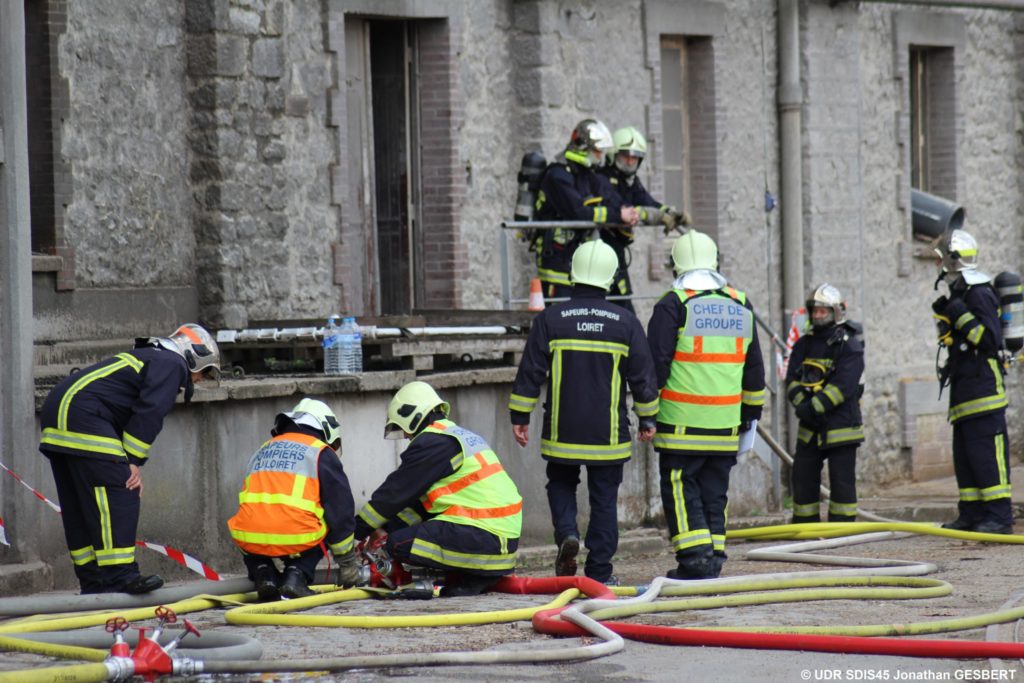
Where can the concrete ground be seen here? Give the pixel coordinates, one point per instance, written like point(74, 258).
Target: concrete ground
point(984, 577)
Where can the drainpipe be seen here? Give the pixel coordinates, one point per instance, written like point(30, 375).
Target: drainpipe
point(791, 204)
point(17, 426)
point(790, 99)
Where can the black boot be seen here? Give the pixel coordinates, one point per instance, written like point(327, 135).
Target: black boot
point(266, 579)
point(993, 527)
point(141, 584)
point(694, 567)
point(295, 584)
point(463, 585)
point(565, 562)
point(959, 524)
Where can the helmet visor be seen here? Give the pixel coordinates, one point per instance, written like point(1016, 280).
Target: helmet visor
point(393, 432)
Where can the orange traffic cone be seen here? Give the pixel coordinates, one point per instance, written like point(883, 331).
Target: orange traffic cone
point(536, 296)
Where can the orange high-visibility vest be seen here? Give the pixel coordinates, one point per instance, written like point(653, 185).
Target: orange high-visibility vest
point(279, 511)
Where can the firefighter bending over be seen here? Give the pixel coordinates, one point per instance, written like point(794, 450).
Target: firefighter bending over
point(99, 424)
point(587, 350)
point(296, 500)
point(450, 506)
point(823, 383)
point(709, 367)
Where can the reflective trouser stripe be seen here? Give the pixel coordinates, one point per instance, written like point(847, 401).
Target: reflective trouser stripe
point(845, 509)
point(80, 556)
point(970, 495)
point(807, 509)
point(452, 558)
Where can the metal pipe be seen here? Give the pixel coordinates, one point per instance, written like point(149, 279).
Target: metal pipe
point(573, 225)
point(1009, 5)
point(266, 335)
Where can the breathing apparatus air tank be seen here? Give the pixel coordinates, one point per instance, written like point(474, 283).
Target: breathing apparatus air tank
point(1011, 301)
point(531, 170)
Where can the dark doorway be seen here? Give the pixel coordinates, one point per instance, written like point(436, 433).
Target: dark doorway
point(394, 158)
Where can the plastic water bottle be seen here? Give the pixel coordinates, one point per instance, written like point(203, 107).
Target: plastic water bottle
point(351, 343)
point(332, 347)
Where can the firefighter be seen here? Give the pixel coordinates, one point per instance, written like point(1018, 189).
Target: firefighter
point(279, 518)
point(823, 382)
point(587, 350)
point(629, 149)
point(571, 190)
point(450, 506)
point(969, 326)
point(708, 363)
point(98, 426)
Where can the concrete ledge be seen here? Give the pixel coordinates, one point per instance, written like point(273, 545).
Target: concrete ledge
point(25, 578)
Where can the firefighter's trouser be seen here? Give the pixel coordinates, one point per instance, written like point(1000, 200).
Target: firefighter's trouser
point(100, 517)
point(982, 467)
point(694, 494)
point(602, 539)
point(305, 562)
point(452, 547)
point(842, 479)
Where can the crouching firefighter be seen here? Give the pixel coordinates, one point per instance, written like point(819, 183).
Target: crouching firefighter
point(295, 501)
point(823, 383)
point(969, 326)
point(450, 506)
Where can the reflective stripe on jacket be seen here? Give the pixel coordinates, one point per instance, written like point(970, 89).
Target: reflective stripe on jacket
point(588, 351)
point(280, 511)
point(114, 409)
point(976, 377)
point(704, 387)
point(479, 493)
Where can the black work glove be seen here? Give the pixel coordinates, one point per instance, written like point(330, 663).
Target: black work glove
point(939, 305)
point(745, 425)
point(954, 309)
point(348, 568)
point(806, 413)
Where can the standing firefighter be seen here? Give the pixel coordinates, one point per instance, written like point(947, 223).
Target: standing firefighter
point(571, 190)
point(296, 500)
point(709, 368)
point(823, 382)
point(587, 350)
point(450, 505)
point(629, 149)
point(968, 324)
point(99, 424)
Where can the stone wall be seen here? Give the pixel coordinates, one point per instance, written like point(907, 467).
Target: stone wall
point(212, 156)
point(123, 138)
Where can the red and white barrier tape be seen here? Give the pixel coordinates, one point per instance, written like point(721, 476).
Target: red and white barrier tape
point(181, 558)
point(38, 495)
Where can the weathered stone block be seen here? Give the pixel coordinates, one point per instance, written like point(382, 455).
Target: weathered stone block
point(268, 58)
point(232, 54)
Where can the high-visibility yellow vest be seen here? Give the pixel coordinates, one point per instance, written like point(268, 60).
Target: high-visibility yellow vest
point(279, 510)
point(479, 493)
point(705, 382)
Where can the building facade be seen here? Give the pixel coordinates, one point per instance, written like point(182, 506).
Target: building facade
point(243, 161)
